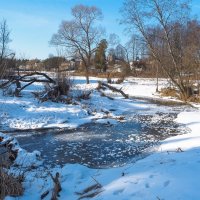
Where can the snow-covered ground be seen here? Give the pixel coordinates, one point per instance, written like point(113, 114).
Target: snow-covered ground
point(28, 113)
point(172, 172)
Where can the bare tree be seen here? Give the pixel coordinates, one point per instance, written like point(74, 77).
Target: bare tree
point(80, 35)
point(113, 40)
point(161, 21)
point(135, 47)
point(127, 52)
point(5, 53)
point(120, 52)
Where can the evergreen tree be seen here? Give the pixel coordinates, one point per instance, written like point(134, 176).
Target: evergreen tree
point(100, 56)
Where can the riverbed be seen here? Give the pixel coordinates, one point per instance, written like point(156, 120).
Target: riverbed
point(102, 144)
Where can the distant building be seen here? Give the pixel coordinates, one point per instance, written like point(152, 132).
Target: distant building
point(138, 65)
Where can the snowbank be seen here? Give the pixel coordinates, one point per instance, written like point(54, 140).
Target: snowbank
point(24, 158)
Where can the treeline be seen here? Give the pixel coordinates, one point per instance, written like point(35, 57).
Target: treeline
point(162, 36)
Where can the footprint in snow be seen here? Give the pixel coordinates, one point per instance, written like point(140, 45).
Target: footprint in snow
point(166, 183)
point(117, 192)
point(147, 185)
point(151, 176)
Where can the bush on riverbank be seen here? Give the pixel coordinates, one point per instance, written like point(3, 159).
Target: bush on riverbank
point(10, 185)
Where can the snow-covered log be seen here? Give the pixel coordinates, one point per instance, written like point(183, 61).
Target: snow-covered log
point(114, 89)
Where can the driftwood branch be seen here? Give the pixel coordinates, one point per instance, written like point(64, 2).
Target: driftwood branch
point(44, 194)
point(90, 191)
point(50, 80)
point(36, 80)
point(6, 84)
point(57, 186)
point(27, 78)
point(114, 89)
point(105, 95)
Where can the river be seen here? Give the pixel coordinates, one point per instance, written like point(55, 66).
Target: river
point(104, 145)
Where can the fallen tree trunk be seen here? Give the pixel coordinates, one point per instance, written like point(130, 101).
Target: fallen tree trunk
point(50, 80)
point(28, 79)
point(105, 95)
point(114, 89)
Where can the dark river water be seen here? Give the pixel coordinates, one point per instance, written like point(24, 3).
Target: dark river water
point(103, 145)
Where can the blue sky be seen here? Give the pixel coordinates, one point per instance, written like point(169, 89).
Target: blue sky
point(33, 22)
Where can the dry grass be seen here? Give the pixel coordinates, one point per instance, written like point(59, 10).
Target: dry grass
point(10, 185)
point(169, 92)
point(172, 92)
point(194, 98)
point(101, 74)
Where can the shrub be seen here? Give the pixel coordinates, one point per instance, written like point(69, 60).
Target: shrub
point(56, 92)
point(169, 92)
point(10, 185)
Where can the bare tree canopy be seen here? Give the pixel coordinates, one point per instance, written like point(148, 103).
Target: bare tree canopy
point(80, 35)
point(136, 47)
point(162, 23)
point(5, 53)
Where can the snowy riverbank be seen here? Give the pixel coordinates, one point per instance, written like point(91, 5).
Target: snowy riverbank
point(27, 113)
point(172, 172)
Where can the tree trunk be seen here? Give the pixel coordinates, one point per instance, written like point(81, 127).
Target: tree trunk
point(157, 78)
point(87, 75)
